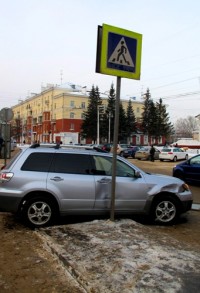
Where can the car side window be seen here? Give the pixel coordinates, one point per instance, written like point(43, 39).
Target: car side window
point(123, 170)
point(71, 164)
point(38, 162)
point(103, 166)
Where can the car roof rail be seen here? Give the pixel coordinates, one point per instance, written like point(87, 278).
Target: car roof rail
point(70, 146)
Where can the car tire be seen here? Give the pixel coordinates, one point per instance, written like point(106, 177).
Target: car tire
point(186, 157)
point(175, 159)
point(121, 154)
point(39, 212)
point(161, 160)
point(165, 210)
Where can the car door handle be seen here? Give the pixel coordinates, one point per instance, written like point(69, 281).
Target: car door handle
point(104, 180)
point(57, 179)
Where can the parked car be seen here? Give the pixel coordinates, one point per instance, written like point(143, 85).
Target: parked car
point(107, 147)
point(120, 149)
point(188, 170)
point(130, 151)
point(173, 154)
point(42, 183)
point(144, 153)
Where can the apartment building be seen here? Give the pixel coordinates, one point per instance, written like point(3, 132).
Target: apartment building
point(56, 114)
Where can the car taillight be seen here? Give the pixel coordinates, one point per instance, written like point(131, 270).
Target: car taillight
point(170, 153)
point(6, 176)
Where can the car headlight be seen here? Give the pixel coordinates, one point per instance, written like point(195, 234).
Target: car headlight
point(185, 187)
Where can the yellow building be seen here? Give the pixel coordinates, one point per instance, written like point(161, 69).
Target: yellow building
point(56, 114)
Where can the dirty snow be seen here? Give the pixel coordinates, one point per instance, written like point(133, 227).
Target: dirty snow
point(123, 256)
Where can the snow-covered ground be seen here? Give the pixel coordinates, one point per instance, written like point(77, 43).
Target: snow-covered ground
point(123, 256)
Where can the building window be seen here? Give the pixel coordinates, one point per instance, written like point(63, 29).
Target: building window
point(71, 115)
point(145, 139)
point(160, 139)
point(82, 115)
point(137, 139)
point(72, 126)
point(83, 105)
point(138, 110)
point(72, 104)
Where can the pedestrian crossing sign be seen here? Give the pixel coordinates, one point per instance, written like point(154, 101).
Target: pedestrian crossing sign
point(118, 52)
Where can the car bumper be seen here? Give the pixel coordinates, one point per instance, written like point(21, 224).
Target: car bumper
point(186, 206)
point(9, 203)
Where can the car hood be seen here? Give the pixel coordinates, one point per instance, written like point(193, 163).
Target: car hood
point(181, 164)
point(162, 183)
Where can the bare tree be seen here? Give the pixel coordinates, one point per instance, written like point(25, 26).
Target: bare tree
point(185, 126)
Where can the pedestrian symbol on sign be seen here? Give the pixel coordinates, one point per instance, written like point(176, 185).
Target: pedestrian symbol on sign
point(121, 55)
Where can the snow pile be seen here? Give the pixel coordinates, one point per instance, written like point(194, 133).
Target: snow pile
point(187, 142)
point(123, 256)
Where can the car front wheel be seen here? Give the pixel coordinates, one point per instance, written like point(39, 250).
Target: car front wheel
point(165, 210)
point(39, 212)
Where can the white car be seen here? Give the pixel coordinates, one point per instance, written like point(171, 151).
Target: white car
point(173, 154)
point(13, 144)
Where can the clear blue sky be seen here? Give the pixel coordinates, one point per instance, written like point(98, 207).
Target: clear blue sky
point(41, 38)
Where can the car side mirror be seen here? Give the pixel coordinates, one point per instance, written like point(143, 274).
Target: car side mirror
point(137, 174)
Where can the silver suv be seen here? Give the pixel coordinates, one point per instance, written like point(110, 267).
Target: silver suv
point(41, 183)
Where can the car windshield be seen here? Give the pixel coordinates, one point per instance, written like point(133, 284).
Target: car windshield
point(124, 145)
point(195, 161)
point(144, 149)
point(166, 150)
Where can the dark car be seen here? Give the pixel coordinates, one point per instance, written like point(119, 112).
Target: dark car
point(130, 152)
point(189, 170)
point(107, 147)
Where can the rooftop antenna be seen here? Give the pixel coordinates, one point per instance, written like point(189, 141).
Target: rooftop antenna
point(61, 76)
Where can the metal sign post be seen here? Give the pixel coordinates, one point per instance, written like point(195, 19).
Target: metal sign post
point(6, 115)
point(115, 142)
point(119, 54)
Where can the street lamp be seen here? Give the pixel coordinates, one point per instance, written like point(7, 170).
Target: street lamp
point(109, 122)
point(99, 107)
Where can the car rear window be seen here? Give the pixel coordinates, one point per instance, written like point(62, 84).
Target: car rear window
point(39, 162)
point(166, 150)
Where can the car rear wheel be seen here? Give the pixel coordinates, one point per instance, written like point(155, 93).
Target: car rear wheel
point(165, 210)
point(39, 212)
point(186, 157)
point(175, 159)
